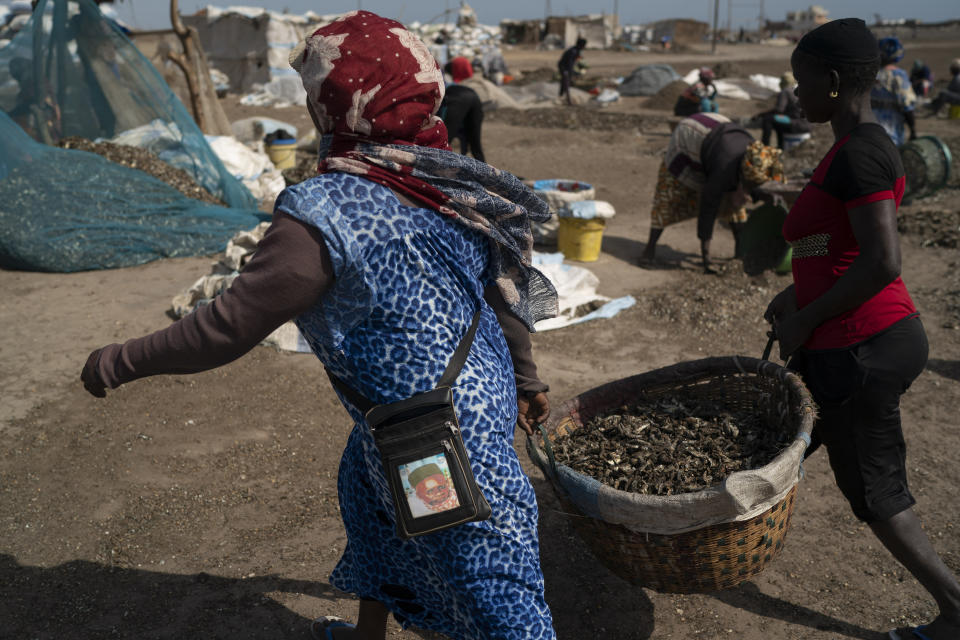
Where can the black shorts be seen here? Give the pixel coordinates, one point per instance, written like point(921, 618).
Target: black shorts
point(858, 391)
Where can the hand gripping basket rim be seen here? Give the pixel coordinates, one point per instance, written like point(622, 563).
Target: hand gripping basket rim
point(741, 496)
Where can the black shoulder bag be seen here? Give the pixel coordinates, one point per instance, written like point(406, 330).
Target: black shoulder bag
point(424, 459)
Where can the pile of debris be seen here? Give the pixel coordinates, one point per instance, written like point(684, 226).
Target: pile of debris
point(143, 160)
point(465, 38)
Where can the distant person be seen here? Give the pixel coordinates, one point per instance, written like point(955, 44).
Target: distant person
point(951, 95)
point(462, 114)
point(494, 66)
point(892, 98)
point(711, 167)
point(786, 116)
point(847, 324)
point(459, 69)
point(567, 66)
point(700, 97)
point(921, 79)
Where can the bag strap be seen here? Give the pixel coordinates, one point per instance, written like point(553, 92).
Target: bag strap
point(459, 356)
point(449, 376)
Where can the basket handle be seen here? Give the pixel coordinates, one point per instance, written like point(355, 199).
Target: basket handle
point(767, 349)
point(548, 448)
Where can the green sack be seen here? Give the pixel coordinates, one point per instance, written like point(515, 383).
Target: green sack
point(761, 244)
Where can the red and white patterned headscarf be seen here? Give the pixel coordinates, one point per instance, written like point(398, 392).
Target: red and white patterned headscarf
point(370, 77)
point(376, 88)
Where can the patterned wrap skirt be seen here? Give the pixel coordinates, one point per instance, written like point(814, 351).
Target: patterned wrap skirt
point(681, 178)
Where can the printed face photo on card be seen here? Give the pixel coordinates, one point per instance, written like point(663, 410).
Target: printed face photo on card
point(427, 486)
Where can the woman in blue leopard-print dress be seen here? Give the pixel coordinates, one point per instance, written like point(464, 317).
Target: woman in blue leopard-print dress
point(382, 260)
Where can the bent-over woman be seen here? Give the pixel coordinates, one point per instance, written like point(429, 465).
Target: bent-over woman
point(710, 168)
point(382, 260)
point(847, 323)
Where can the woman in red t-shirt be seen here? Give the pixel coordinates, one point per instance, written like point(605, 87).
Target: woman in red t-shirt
point(847, 323)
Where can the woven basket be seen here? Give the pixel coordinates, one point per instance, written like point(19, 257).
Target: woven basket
point(926, 163)
point(719, 555)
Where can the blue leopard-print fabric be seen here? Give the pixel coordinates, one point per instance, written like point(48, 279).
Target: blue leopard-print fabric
point(407, 282)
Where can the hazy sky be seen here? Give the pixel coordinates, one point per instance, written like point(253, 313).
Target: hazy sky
point(154, 14)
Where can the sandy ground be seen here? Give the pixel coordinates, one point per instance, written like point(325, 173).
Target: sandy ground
point(205, 506)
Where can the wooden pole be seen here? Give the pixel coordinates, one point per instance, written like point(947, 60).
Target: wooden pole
point(187, 40)
point(716, 14)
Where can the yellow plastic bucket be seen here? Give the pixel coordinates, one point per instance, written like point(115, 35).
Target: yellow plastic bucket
point(283, 153)
point(954, 113)
point(579, 238)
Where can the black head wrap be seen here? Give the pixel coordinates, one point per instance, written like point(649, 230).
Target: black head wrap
point(844, 41)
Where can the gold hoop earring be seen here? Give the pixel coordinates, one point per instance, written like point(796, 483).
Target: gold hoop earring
point(834, 94)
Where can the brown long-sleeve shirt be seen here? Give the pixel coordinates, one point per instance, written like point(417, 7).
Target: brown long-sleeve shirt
point(287, 275)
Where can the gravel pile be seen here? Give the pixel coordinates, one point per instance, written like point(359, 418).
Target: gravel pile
point(543, 74)
point(931, 228)
point(143, 160)
point(569, 118)
point(727, 69)
point(724, 310)
point(666, 98)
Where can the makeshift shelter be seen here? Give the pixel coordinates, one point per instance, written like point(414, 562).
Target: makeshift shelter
point(70, 72)
point(521, 31)
point(599, 30)
point(681, 31)
point(252, 46)
point(807, 19)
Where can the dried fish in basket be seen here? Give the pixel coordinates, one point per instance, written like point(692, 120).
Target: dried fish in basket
point(696, 541)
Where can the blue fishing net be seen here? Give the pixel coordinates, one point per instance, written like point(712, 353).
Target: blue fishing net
point(71, 72)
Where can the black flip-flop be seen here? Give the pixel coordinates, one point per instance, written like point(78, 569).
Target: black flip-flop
point(322, 628)
point(909, 633)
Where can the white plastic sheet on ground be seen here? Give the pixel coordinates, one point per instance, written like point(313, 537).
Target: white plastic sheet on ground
point(607, 96)
point(746, 86)
point(222, 274)
point(755, 87)
point(576, 287)
point(536, 94)
point(557, 193)
point(161, 138)
point(253, 169)
point(587, 210)
point(770, 83)
point(282, 91)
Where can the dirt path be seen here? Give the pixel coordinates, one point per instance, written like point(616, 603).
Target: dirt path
point(205, 506)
